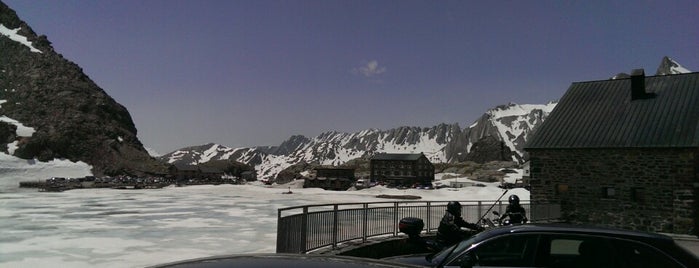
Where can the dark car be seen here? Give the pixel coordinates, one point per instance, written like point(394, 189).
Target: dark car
point(559, 245)
point(282, 260)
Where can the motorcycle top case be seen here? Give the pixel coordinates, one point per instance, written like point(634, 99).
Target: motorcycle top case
point(411, 225)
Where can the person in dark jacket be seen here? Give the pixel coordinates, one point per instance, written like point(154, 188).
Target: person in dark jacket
point(514, 211)
point(449, 230)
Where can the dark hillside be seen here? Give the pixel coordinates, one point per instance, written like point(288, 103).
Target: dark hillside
point(73, 117)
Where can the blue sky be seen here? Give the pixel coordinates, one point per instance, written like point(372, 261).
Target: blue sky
point(247, 73)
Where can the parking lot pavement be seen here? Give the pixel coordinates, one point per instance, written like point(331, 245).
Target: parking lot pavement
point(692, 244)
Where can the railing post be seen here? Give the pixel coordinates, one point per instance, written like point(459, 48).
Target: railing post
point(280, 231)
point(304, 227)
point(335, 227)
point(395, 218)
point(480, 210)
point(365, 223)
point(429, 218)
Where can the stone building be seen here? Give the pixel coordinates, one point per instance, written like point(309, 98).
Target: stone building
point(250, 175)
point(339, 179)
point(184, 172)
point(401, 169)
point(623, 153)
point(210, 172)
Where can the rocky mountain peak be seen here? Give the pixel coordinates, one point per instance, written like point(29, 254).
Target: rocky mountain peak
point(669, 66)
point(73, 118)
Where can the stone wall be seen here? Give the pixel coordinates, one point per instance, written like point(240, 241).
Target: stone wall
point(639, 189)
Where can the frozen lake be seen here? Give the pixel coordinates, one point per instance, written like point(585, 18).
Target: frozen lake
point(136, 228)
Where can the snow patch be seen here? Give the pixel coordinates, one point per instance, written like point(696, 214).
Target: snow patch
point(679, 70)
point(152, 152)
point(14, 169)
point(15, 36)
point(22, 130)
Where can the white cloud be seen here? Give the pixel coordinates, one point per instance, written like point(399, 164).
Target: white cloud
point(370, 69)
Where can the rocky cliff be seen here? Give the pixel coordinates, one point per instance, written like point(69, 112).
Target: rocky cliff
point(71, 117)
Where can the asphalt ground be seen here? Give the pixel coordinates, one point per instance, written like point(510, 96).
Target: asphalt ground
point(692, 244)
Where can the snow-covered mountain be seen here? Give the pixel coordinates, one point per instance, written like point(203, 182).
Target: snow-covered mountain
point(443, 143)
point(669, 66)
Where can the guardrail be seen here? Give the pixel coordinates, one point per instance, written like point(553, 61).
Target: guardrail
point(302, 229)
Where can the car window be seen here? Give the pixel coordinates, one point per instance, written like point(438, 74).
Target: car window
point(639, 255)
point(451, 251)
point(508, 251)
point(577, 251)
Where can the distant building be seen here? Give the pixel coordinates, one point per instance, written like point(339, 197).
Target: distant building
point(248, 175)
point(623, 153)
point(331, 179)
point(401, 169)
point(210, 172)
point(184, 172)
point(187, 172)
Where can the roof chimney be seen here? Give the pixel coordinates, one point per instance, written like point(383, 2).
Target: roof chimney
point(638, 85)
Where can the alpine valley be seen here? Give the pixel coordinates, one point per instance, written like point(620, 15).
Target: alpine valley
point(49, 109)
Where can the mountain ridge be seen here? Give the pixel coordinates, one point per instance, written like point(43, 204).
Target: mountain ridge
point(442, 143)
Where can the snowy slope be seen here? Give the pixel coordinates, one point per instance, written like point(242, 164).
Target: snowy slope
point(511, 123)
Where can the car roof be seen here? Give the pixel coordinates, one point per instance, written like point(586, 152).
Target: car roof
point(280, 260)
point(579, 229)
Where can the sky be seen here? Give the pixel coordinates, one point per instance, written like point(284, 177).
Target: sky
point(251, 73)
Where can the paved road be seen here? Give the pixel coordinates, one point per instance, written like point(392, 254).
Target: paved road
point(692, 244)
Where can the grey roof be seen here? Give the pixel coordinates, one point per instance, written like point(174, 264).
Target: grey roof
point(601, 114)
point(403, 157)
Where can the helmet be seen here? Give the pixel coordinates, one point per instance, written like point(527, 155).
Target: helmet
point(454, 207)
point(514, 200)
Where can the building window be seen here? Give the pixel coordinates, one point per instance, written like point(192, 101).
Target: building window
point(608, 192)
point(561, 188)
point(638, 195)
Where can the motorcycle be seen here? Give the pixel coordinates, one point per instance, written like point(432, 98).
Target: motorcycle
point(491, 223)
point(508, 221)
point(413, 226)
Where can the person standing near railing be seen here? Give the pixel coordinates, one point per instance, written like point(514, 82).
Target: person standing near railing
point(449, 230)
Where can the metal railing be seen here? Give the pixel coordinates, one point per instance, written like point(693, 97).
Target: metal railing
point(302, 229)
